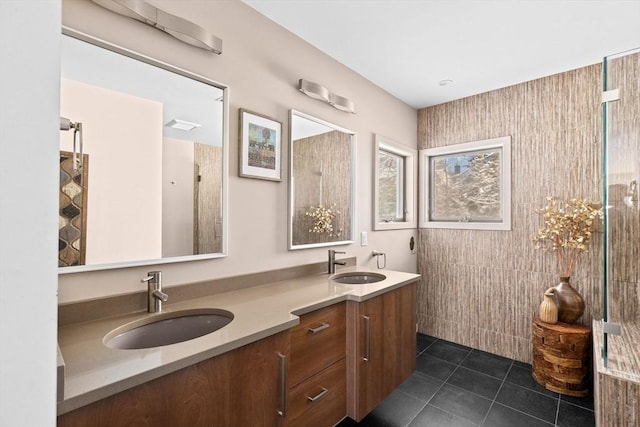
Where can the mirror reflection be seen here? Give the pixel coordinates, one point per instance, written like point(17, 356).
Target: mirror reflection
point(322, 183)
point(148, 181)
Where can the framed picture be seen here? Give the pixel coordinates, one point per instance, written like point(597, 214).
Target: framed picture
point(467, 185)
point(260, 146)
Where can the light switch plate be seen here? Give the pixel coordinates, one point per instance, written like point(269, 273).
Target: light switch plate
point(364, 238)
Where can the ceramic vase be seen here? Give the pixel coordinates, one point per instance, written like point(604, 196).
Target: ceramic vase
point(569, 301)
point(548, 308)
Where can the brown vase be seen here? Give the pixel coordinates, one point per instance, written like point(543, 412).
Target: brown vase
point(570, 303)
point(548, 308)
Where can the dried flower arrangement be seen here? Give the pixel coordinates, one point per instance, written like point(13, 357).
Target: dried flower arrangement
point(323, 219)
point(567, 230)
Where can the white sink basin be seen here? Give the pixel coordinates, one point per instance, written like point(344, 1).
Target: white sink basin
point(358, 277)
point(167, 328)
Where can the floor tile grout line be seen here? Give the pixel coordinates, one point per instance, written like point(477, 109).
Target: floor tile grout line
point(440, 388)
point(421, 409)
point(503, 380)
point(512, 364)
point(484, 420)
point(436, 392)
point(575, 404)
point(508, 406)
point(524, 413)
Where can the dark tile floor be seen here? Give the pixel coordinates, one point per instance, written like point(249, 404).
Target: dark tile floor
point(459, 386)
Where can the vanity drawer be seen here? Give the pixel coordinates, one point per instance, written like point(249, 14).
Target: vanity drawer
point(317, 342)
point(321, 400)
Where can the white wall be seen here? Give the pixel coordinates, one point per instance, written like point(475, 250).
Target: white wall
point(177, 196)
point(122, 136)
point(29, 88)
point(261, 63)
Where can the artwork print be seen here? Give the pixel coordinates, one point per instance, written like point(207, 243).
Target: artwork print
point(262, 147)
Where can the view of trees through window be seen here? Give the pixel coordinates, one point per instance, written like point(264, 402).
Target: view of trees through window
point(466, 186)
point(390, 186)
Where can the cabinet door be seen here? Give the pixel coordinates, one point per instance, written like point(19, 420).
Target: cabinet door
point(194, 396)
point(364, 379)
point(399, 337)
point(258, 388)
point(239, 388)
point(381, 347)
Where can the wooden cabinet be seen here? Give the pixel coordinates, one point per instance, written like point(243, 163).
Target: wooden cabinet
point(381, 348)
point(340, 360)
point(239, 388)
point(317, 369)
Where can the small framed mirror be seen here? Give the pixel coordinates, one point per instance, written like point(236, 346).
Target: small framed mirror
point(394, 185)
point(321, 183)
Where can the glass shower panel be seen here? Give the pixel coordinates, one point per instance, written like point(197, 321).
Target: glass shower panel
point(621, 162)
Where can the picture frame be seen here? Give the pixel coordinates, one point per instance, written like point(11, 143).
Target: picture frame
point(260, 146)
point(467, 186)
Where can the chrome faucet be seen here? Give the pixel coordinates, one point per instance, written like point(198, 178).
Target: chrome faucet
point(155, 295)
point(333, 262)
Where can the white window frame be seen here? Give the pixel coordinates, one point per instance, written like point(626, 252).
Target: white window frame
point(409, 188)
point(425, 157)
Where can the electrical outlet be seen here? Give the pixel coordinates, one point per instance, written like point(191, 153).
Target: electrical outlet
point(364, 238)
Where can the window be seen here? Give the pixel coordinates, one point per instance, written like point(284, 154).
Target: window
point(394, 192)
point(391, 186)
point(467, 185)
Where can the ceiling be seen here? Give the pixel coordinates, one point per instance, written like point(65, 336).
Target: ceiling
point(409, 47)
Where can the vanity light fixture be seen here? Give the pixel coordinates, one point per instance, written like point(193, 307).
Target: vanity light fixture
point(179, 28)
point(316, 91)
point(182, 125)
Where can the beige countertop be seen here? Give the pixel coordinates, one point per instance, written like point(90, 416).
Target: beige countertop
point(94, 371)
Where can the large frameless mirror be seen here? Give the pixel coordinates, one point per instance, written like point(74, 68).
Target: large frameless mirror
point(394, 185)
point(143, 160)
point(322, 183)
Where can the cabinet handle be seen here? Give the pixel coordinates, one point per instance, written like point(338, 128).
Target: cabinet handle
point(283, 385)
point(319, 328)
point(318, 396)
point(367, 338)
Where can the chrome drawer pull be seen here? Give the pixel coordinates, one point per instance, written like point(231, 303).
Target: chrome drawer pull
point(319, 328)
point(367, 338)
point(283, 385)
point(318, 396)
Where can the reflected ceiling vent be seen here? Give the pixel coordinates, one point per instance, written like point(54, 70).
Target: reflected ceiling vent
point(316, 91)
point(182, 125)
point(179, 28)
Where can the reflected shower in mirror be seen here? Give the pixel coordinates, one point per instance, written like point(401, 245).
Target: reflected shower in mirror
point(151, 185)
point(321, 205)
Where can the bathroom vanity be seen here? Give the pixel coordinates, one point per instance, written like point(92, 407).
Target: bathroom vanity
point(302, 351)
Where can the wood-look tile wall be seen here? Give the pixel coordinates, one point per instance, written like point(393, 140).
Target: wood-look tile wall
point(483, 288)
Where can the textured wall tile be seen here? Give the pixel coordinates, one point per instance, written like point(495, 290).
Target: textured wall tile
point(485, 287)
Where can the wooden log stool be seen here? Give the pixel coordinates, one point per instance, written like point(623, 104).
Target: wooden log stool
point(561, 357)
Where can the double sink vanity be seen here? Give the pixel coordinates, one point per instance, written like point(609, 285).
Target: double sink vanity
point(307, 350)
point(291, 347)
